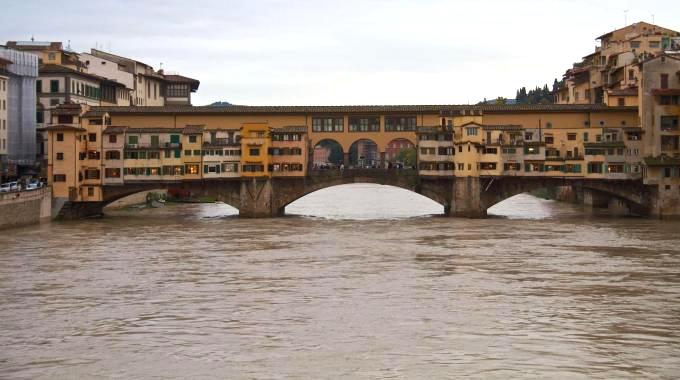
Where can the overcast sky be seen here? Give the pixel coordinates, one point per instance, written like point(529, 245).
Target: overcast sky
point(294, 52)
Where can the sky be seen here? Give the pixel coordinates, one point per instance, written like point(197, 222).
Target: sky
point(304, 52)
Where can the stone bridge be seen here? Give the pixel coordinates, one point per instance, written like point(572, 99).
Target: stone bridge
point(460, 196)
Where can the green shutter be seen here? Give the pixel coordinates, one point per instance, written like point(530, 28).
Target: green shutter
point(174, 139)
point(205, 168)
point(178, 153)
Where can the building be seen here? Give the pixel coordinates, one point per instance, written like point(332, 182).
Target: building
point(4, 81)
point(18, 73)
point(610, 74)
point(660, 130)
point(92, 147)
point(149, 87)
point(97, 78)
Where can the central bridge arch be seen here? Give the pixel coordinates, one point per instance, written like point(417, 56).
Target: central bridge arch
point(288, 191)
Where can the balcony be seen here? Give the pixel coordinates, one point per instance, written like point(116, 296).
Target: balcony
point(151, 146)
point(221, 142)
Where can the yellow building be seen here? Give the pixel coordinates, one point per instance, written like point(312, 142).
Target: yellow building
point(610, 74)
point(255, 141)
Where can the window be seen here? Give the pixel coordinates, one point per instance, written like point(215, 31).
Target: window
point(90, 191)
point(187, 152)
point(54, 85)
point(59, 178)
point(192, 139)
point(133, 140)
point(595, 167)
point(654, 44)
point(631, 74)
point(669, 123)
point(113, 139)
point(511, 166)
point(92, 137)
point(549, 139)
point(60, 137)
point(364, 124)
point(400, 123)
point(327, 124)
point(191, 168)
point(571, 136)
point(60, 156)
point(131, 155)
point(634, 44)
point(253, 168)
point(471, 131)
point(664, 80)
point(254, 151)
point(177, 90)
point(532, 150)
point(38, 86)
point(54, 102)
point(39, 117)
point(621, 102)
point(585, 136)
point(93, 155)
point(528, 136)
point(92, 174)
point(112, 155)
point(197, 152)
point(112, 172)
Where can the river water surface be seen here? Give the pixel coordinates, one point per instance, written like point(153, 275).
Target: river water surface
point(363, 283)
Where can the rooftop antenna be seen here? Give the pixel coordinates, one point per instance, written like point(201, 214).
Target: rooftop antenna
point(652, 18)
point(625, 17)
point(32, 39)
point(68, 45)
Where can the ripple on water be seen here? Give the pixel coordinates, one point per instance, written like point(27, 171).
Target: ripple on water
point(361, 282)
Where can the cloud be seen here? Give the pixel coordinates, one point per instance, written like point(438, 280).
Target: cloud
point(338, 52)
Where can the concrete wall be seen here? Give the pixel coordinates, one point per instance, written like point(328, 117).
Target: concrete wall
point(25, 207)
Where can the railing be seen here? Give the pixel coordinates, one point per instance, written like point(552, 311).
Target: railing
point(166, 145)
point(222, 142)
point(372, 173)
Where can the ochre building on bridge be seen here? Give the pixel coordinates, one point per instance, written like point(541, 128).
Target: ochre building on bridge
point(101, 153)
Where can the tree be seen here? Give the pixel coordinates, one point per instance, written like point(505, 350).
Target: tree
point(407, 156)
point(501, 100)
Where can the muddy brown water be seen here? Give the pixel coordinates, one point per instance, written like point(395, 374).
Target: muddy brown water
point(367, 285)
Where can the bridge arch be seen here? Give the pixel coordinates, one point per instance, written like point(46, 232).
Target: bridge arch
point(598, 193)
point(289, 192)
point(364, 153)
point(395, 147)
point(327, 151)
point(227, 191)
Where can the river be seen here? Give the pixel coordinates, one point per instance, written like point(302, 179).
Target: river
point(363, 283)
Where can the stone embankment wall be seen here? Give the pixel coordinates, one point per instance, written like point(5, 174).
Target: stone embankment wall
point(25, 207)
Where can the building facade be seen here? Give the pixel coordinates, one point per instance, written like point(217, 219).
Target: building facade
point(18, 112)
point(610, 74)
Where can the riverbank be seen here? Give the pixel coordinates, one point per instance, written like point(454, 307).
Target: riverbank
point(21, 208)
